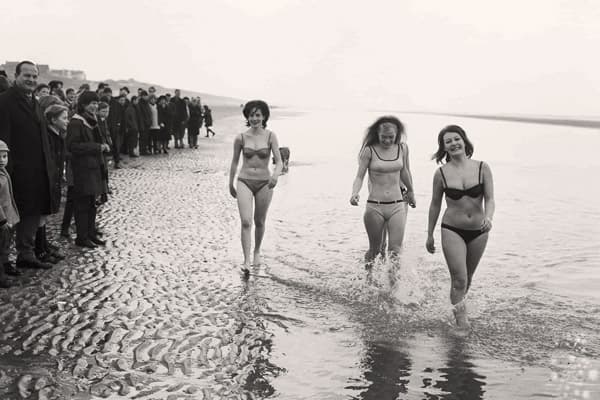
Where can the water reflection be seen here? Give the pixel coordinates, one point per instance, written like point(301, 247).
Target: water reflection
point(387, 371)
point(458, 379)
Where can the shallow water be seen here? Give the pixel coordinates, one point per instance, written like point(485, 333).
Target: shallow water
point(340, 332)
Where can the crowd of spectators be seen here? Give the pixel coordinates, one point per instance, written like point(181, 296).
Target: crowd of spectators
point(52, 139)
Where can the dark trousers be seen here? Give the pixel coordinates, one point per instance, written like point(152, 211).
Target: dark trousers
point(144, 140)
point(192, 139)
point(117, 143)
point(132, 141)
point(85, 217)
point(6, 239)
point(180, 130)
point(25, 238)
point(69, 208)
point(154, 142)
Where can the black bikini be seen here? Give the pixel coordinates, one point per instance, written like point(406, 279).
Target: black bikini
point(457, 194)
point(255, 184)
point(467, 235)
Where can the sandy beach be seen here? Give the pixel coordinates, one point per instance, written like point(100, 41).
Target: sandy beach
point(160, 311)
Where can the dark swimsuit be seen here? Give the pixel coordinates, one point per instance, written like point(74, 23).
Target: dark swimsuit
point(255, 184)
point(467, 235)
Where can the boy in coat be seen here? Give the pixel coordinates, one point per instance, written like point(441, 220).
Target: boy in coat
point(9, 217)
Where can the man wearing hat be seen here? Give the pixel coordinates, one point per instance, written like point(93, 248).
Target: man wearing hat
point(23, 129)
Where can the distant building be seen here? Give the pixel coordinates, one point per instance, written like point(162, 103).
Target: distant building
point(67, 73)
point(44, 69)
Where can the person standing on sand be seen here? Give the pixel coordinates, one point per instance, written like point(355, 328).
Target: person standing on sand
point(164, 122)
point(131, 127)
point(386, 159)
point(145, 121)
point(255, 182)
point(469, 190)
point(208, 120)
point(179, 119)
point(83, 143)
point(57, 120)
point(194, 123)
point(9, 217)
point(23, 129)
point(116, 127)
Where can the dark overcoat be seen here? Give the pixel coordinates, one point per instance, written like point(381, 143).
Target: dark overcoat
point(30, 165)
point(86, 157)
point(57, 151)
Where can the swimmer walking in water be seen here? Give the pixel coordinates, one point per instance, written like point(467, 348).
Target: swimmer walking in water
point(255, 182)
point(385, 157)
point(469, 190)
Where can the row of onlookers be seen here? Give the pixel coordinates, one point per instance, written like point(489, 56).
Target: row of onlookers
point(49, 138)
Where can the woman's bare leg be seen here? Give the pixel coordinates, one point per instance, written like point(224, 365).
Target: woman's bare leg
point(455, 253)
point(245, 199)
point(262, 200)
point(374, 223)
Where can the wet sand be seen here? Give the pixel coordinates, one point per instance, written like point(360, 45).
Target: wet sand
point(159, 312)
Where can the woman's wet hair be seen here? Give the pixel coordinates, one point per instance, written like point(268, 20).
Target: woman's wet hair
point(440, 155)
point(372, 135)
point(253, 105)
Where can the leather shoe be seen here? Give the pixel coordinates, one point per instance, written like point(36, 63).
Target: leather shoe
point(33, 263)
point(85, 243)
point(47, 258)
point(10, 269)
point(96, 240)
point(56, 254)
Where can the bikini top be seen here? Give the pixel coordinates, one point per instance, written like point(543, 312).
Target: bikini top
point(457, 194)
point(378, 164)
point(263, 153)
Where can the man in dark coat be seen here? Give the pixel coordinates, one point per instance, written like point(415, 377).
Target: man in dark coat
point(179, 119)
point(116, 127)
point(131, 126)
point(23, 128)
point(145, 121)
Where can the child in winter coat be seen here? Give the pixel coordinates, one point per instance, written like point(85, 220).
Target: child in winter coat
point(9, 217)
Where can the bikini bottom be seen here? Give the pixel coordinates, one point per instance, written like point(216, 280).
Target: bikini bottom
point(254, 184)
point(386, 209)
point(468, 235)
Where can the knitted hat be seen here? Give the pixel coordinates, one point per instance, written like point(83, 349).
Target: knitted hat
point(3, 146)
point(86, 98)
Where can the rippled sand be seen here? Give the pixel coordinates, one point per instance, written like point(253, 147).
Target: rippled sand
point(158, 313)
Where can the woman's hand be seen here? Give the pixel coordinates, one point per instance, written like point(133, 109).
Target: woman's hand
point(232, 191)
point(486, 225)
point(429, 244)
point(354, 199)
point(272, 182)
point(409, 197)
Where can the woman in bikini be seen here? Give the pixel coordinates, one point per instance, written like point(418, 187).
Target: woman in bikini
point(469, 190)
point(386, 158)
point(255, 182)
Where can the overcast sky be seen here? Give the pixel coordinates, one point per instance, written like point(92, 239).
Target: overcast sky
point(510, 56)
